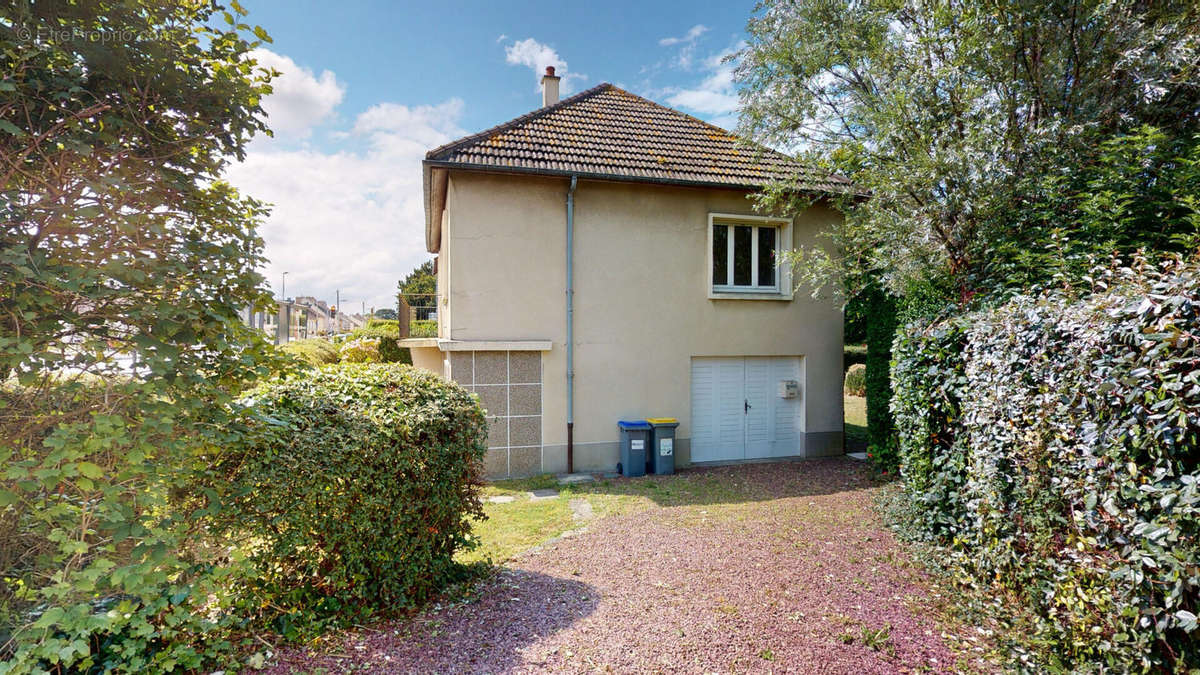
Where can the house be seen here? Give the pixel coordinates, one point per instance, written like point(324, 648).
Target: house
point(319, 319)
point(598, 259)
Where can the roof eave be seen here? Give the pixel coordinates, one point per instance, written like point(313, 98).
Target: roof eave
point(620, 178)
point(434, 182)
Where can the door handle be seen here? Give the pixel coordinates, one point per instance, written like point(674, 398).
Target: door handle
point(746, 402)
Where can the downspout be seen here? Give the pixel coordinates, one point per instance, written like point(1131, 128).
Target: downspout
point(571, 327)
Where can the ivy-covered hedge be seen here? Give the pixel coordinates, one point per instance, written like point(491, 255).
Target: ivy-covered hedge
point(353, 490)
point(1052, 446)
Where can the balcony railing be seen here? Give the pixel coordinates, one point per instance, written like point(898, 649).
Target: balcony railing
point(418, 315)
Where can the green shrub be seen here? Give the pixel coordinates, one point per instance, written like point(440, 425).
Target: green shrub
point(423, 328)
point(1052, 446)
point(856, 380)
point(313, 351)
point(354, 490)
point(852, 354)
point(103, 567)
point(387, 333)
point(360, 350)
point(881, 331)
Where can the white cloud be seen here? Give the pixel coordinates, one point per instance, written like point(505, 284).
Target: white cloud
point(350, 219)
point(300, 100)
point(537, 56)
point(687, 50)
point(715, 97)
point(693, 33)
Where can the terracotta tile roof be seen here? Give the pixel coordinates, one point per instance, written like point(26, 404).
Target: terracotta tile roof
point(606, 132)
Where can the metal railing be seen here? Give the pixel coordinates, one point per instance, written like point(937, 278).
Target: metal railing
point(417, 314)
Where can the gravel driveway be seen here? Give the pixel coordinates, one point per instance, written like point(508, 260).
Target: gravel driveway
point(789, 571)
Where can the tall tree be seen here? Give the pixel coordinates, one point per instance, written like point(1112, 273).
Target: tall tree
point(420, 286)
point(124, 262)
point(946, 112)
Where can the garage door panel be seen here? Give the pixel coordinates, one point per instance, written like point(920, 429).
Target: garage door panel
point(724, 428)
point(786, 412)
point(704, 410)
point(758, 417)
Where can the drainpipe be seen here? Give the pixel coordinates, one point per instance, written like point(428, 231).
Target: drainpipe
point(571, 328)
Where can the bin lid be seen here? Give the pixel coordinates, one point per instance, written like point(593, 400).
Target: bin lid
point(662, 420)
point(633, 424)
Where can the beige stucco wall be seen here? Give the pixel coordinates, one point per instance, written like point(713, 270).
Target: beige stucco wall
point(642, 309)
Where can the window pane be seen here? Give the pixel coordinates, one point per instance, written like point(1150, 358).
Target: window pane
point(766, 256)
point(720, 260)
point(741, 255)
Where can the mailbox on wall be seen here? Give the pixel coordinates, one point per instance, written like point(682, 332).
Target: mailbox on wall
point(789, 389)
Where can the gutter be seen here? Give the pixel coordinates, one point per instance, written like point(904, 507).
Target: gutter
point(821, 190)
point(571, 326)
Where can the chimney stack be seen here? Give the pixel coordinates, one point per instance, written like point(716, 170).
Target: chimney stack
point(550, 87)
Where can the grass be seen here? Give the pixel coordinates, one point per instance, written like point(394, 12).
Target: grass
point(514, 527)
point(856, 423)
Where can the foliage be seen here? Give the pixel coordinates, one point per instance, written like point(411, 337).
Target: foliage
point(386, 313)
point(1052, 446)
point(856, 380)
point(947, 112)
point(313, 351)
point(386, 334)
point(353, 489)
point(1141, 190)
point(384, 324)
point(852, 354)
point(880, 331)
point(423, 328)
point(420, 286)
point(120, 241)
point(360, 350)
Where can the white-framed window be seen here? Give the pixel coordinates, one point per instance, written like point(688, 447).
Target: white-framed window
point(744, 257)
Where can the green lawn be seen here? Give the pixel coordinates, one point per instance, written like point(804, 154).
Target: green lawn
point(513, 527)
point(856, 423)
point(517, 526)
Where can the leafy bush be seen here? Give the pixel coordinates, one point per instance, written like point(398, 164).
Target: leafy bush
point(120, 240)
point(387, 334)
point(852, 354)
point(1052, 445)
point(354, 489)
point(360, 350)
point(856, 380)
point(422, 328)
point(313, 351)
point(881, 330)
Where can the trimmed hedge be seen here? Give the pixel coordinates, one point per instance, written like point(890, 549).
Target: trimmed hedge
point(881, 331)
point(853, 354)
point(856, 380)
point(313, 351)
point(1052, 447)
point(354, 490)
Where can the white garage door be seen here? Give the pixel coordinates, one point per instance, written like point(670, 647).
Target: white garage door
point(737, 412)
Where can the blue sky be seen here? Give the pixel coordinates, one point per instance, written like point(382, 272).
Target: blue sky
point(368, 87)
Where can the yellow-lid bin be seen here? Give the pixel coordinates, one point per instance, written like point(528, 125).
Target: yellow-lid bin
point(662, 420)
